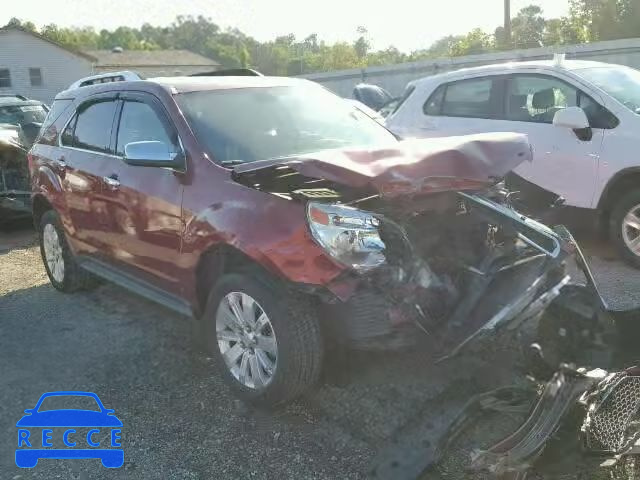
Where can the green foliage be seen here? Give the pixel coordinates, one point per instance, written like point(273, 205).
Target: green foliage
point(588, 20)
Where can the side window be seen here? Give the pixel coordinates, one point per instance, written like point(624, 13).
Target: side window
point(138, 123)
point(433, 106)
point(599, 116)
point(534, 98)
point(468, 98)
point(66, 139)
point(93, 126)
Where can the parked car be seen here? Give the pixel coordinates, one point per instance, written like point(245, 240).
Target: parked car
point(581, 118)
point(373, 96)
point(20, 122)
point(15, 192)
point(286, 221)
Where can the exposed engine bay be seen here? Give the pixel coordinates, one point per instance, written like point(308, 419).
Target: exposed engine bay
point(444, 264)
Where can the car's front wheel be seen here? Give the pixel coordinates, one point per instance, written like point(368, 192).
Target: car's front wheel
point(625, 227)
point(266, 342)
point(63, 271)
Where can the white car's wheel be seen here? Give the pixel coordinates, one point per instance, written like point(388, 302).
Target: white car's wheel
point(625, 227)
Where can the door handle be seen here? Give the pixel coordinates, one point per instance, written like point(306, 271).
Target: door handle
point(61, 163)
point(112, 182)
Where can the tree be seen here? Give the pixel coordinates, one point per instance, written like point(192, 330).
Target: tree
point(362, 44)
point(476, 41)
point(527, 28)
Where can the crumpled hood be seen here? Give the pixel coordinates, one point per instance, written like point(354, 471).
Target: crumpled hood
point(413, 166)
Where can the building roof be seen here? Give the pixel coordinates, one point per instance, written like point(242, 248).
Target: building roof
point(150, 58)
point(85, 55)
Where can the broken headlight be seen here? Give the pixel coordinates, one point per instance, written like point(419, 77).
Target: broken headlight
point(349, 235)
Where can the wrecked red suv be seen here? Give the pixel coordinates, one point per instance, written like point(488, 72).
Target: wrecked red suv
point(286, 221)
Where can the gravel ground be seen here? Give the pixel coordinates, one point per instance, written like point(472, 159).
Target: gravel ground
point(179, 420)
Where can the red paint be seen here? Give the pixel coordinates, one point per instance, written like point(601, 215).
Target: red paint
point(158, 224)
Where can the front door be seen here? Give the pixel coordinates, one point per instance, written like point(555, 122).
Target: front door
point(145, 202)
point(564, 162)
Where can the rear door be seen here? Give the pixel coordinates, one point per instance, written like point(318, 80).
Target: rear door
point(461, 107)
point(145, 202)
point(83, 160)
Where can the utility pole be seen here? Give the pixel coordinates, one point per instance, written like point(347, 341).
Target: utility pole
point(507, 21)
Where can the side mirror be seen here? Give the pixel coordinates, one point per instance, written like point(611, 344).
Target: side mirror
point(571, 117)
point(152, 154)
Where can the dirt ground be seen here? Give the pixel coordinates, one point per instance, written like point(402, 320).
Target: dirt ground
point(179, 419)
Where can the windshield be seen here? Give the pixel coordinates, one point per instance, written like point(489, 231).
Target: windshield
point(22, 114)
point(622, 83)
point(249, 124)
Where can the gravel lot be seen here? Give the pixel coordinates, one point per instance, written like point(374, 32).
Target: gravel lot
point(180, 421)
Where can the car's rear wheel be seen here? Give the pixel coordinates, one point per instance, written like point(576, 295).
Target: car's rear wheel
point(63, 271)
point(625, 227)
point(267, 344)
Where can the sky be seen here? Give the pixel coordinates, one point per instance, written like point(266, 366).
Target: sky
point(406, 24)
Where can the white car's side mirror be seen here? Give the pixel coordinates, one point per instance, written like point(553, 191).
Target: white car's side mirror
point(571, 117)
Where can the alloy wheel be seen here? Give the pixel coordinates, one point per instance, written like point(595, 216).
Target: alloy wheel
point(53, 252)
point(631, 230)
point(246, 340)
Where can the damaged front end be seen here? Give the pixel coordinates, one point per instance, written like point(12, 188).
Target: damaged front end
point(435, 257)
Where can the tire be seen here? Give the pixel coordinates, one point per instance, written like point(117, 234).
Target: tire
point(293, 328)
point(625, 205)
point(71, 277)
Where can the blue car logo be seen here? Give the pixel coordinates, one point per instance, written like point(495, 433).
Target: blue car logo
point(95, 432)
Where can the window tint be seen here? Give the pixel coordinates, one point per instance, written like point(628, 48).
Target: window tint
point(58, 107)
point(66, 139)
point(433, 105)
point(5, 78)
point(468, 98)
point(35, 76)
point(599, 116)
point(537, 99)
point(93, 126)
point(407, 93)
point(140, 123)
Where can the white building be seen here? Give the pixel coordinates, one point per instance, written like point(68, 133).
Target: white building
point(36, 67)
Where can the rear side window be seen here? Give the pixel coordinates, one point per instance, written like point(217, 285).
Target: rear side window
point(468, 98)
point(48, 134)
point(433, 105)
point(93, 126)
point(140, 123)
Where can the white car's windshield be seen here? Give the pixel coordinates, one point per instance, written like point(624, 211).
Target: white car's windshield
point(249, 124)
point(622, 83)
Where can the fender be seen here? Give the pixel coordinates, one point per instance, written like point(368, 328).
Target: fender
point(610, 189)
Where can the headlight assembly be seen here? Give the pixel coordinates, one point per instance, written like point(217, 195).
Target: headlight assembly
point(349, 235)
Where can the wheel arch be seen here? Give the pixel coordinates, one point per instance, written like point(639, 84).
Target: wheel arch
point(619, 185)
point(218, 260)
point(40, 205)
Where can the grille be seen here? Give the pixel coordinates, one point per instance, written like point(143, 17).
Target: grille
point(607, 427)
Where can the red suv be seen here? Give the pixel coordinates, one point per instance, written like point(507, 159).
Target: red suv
point(285, 221)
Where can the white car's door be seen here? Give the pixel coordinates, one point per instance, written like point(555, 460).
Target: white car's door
point(460, 107)
point(565, 161)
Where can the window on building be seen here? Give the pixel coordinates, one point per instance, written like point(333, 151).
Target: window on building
point(5, 78)
point(35, 75)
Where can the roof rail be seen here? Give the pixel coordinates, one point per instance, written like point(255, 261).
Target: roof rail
point(122, 76)
point(232, 72)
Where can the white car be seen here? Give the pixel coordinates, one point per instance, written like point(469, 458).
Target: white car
point(582, 119)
